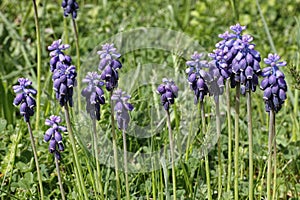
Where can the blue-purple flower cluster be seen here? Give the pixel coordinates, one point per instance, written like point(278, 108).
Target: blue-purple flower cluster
point(93, 94)
point(64, 73)
point(53, 135)
point(109, 65)
point(236, 56)
point(120, 98)
point(70, 8)
point(24, 97)
point(273, 84)
point(168, 91)
point(197, 76)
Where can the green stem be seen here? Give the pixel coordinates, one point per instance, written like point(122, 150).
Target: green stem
point(125, 163)
point(66, 32)
point(250, 138)
point(62, 192)
point(228, 107)
point(78, 63)
point(205, 153)
point(218, 124)
point(266, 27)
point(36, 160)
point(74, 151)
point(98, 171)
point(172, 154)
point(114, 138)
point(275, 160)
point(270, 142)
point(39, 64)
point(234, 8)
point(236, 142)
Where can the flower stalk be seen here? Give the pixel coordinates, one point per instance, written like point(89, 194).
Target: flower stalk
point(62, 192)
point(218, 124)
point(172, 154)
point(236, 142)
point(39, 64)
point(36, 160)
point(228, 107)
point(250, 141)
point(207, 170)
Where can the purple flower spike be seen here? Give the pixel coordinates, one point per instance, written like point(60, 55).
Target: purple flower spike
point(273, 84)
point(70, 8)
point(53, 135)
point(121, 108)
point(93, 94)
point(168, 91)
point(57, 55)
point(109, 65)
point(24, 98)
point(236, 54)
point(197, 76)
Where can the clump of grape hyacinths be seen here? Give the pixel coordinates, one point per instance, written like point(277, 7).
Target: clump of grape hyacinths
point(64, 74)
point(237, 56)
point(168, 91)
point(70, 8)
point(57, 55)
point(93, 94)
point(121, 108)
point(273, 84)
point(53, 135)
point(197, 76)
point(24, 98)
point(109, 65)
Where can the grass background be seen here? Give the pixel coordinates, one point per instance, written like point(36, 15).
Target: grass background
point(98, 21)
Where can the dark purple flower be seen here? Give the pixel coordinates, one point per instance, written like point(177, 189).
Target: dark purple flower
point(64, 80)
point(235, 54)
point(93, 94)
point(121, 108)
point(168, 91)
point(53, 135)
point(64, 73)
point(197, 76)
point(70, 8)
point(24, 98)
point(273, 84)
point(109, 65)
point(57, 55)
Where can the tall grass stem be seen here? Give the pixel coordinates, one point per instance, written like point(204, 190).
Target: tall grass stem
point(98, 171)
point(74, 151)
point(39, 65)
point(36, 160)
point(78, 63)
point(172, 154)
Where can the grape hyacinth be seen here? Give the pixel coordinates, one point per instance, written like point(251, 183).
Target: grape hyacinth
point(237, 55)
point(57, 55)
point(24, 98)
point(197, 76)
point(273, 84)
point(93, 94)
point(70, 8)
point(121, 108)
point(64, 74)
point(53, 135)
point(109, 65)
point(168, 91)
